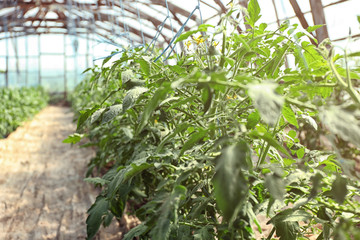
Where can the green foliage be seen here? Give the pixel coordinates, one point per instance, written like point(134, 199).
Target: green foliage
point(19, 105)
point(198, 149)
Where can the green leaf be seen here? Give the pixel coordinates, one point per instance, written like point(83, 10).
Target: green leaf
point(287, 230)
point(313, 28)
point(127, 76)
point(291, 215)
point(266, 101)
point(289, 115)
point(96, 214)
point(339, 189)
point(310, 121)
point(145, 65)
point(125, 174)
point(180, 128)
point(185, 36)
point(135, 232)
point(276, 186)
point(254, 12)
point(300, 153)
point(84, 115)
point(158, 96)
point(358, 18)
point(96, 180)
point(270, 140)
point(253, 119)
point(193, 140)
point(113, 112)
point(74, 138)
point(168, 213)
point(201, 28)
point(206, 97)
point(131, 96)
point(204, 233)
point(96, 115)
point(230, 185)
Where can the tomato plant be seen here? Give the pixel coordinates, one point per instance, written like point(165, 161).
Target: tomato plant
point(200, 148)
point(18, 105)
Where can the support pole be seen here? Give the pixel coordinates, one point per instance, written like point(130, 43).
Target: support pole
point(300, 15)
point(27, 62)
point(319, 18)
point(7, 63)
point(65, 69)
point(87, 50)
point(39, 59)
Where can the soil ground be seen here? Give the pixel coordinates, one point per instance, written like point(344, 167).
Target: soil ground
point(42, 192)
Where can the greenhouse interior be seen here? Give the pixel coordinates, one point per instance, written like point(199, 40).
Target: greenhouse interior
point(192, 119)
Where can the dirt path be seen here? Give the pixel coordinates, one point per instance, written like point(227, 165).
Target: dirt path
point(42, 192)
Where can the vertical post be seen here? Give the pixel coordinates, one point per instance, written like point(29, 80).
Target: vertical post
point(7, 62)
point(75, 60)
point(65, 68)
point(319, 18)
point(39, 59)
point(27, 62)
point(87, 50)
point(16, 50)
point(276, 13)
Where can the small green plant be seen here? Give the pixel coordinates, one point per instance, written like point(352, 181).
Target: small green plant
point(199, 149)
point(19, 105)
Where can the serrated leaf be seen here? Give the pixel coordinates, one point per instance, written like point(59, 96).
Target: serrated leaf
point(84, 115)
point(276, 186)
point(204, 233)
point(289, 115)
point(125, 174)
point(186, 35)
point(110, 114)
point(97, 180)
point(270, 140)
point(145, 65)
point(313, 28)
point(339, 189)
point(127, 76)
point(96, 115)
point(158, 96)
point(290, 215)
point(135, 232)
point(96, 213)
point(230, 185)
point(168, 213)
point(253, 119)
point(254, 12)
point(266, 101)
point(310, 121)
point(194, 139)
point(287, 230)
point(74, 138)
point(342, 123)
point(131, 96)
point(180, 128)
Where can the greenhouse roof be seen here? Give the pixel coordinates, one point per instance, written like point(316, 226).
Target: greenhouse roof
point(138, 21)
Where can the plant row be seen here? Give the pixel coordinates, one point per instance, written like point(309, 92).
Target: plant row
point(200, 148)
point(19, 105)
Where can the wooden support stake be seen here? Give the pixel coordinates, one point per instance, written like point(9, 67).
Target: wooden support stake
point(319, 18)
point(300, 15)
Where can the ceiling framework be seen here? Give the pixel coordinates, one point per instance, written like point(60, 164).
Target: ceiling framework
point(131, 21)
point(127, 21)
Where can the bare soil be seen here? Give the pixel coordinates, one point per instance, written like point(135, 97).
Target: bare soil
point(42, 192)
